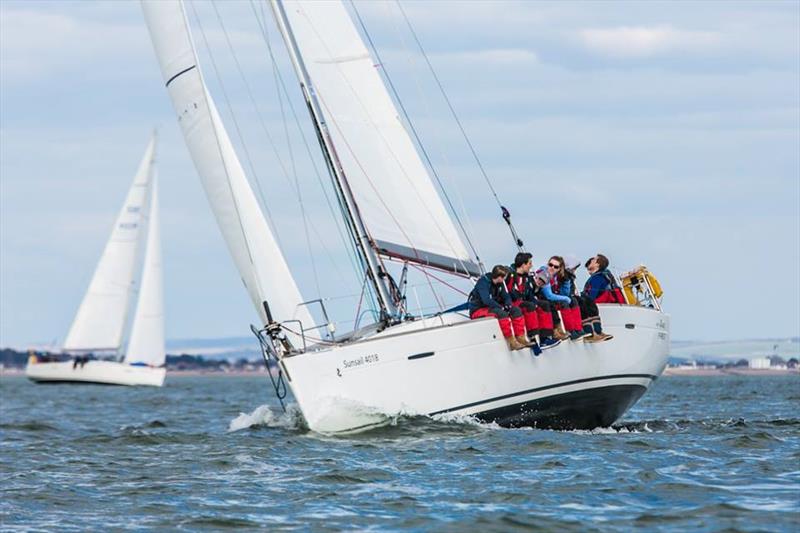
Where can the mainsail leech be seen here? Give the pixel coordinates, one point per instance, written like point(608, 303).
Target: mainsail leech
point(255, 251)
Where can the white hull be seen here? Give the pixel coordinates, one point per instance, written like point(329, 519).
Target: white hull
point(463, 367)
point(101, 372)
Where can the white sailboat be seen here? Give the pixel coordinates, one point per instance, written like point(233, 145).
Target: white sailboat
point(440, 364)
point(101, 320)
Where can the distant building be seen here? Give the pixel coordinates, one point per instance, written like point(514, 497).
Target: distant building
point(760, 363)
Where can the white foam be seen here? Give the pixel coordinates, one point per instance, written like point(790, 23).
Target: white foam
point(265, 415)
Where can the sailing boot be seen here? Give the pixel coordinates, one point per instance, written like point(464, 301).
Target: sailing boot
point(513, 344)
point(523, 340)
point(549, 342)
point(587, 328)
point(533, 340)
point(576, 335)
point(559, 332)
point(598, 332)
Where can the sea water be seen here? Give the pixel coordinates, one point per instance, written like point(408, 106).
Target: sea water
point(214, 452)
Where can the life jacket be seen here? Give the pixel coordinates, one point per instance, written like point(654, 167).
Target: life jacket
point(612, 294)
point(519, 286)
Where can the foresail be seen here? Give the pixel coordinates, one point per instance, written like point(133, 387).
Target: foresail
point(395, 195)
point(250, 241)
point(146, 342)
point(100, 321)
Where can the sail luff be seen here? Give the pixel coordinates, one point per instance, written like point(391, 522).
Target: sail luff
point(364, 244)
point(100, 321)
point(146, 342)
point(391, 185)
point(250, 241)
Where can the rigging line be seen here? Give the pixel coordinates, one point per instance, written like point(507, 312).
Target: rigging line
point(414, 130)
point(236, 124)
point(449, 104)
point(206, 97)
point(374, 188)
point(348, 245)
point(453, 184)
point(443, 282)
point(294, 167)
point(506, 214)
point(386, 144)
point(277, 154)
point(331, 116)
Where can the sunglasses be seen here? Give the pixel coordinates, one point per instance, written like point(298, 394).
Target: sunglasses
point(551, 265)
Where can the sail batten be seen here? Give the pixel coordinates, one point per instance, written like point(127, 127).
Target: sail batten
point(396, 197)
point(255, 251)
point(99, 324)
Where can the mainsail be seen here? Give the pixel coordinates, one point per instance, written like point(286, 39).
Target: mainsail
point(391, 186)
point(255, 251)
point(146, 342)
point(101, 318)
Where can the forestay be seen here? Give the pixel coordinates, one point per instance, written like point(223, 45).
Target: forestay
point(395, 195)
point(146, 343)
point(258, 258)
point(101, 318)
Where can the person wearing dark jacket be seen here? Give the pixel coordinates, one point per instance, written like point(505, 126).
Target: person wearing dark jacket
point(520, 287)
point(601, 287)
point(490, 298)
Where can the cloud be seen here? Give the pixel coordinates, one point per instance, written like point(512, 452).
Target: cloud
point(38, 45)
point(641, 41)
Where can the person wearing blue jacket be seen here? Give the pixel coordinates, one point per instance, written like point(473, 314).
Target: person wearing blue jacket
point(601, 287)
point(489, 297)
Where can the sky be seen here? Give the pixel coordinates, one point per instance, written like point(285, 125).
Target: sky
point(658, 133)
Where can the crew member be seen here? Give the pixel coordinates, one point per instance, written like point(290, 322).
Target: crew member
point(520, 287)
point(544, 310)
point(563, 283)
point(601, 287)
point(490, 298)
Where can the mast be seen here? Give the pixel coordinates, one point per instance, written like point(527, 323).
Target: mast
point(364, 245)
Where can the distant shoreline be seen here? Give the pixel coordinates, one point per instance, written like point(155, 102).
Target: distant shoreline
point(733, 371)
point(668, 372)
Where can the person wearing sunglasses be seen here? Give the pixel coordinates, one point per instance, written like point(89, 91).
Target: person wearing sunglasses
point(562, 283)
point(547, 299)
point(489, 297)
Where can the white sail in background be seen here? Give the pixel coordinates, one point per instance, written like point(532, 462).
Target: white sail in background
point(146, 342)
point(395, 195)
point(251, 243)
point(100, 322)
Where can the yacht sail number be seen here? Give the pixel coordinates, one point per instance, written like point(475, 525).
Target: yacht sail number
point(357, 362)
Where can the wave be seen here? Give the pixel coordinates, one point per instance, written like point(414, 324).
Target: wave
point(267, 416)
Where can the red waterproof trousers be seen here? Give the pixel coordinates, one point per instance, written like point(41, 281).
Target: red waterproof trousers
point(511, 323)
point(501, 316)
point(529, 314)
point(572, 318)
